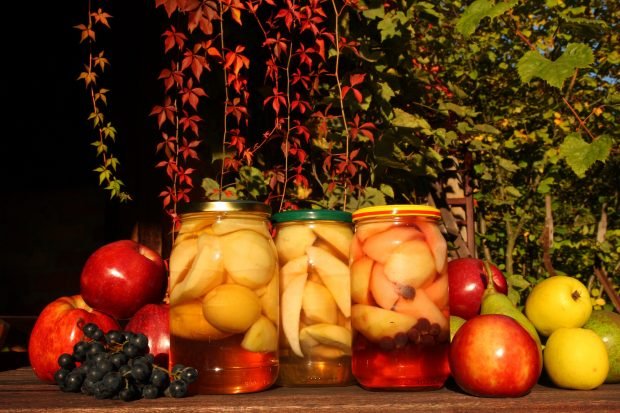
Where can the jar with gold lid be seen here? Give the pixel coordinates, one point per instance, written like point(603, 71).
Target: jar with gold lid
point(399, 291)
point(223, 290)
point(315, 302)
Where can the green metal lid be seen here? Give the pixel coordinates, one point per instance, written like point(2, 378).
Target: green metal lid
point(311, 215)
point(224, 206)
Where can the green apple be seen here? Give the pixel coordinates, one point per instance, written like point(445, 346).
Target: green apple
point(606, 324)
point(558, 301)
point(576, 358)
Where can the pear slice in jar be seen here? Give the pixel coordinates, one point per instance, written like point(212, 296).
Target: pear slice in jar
point(291, 302)
point(329, 335)
point(207, 271)
point(261, 337)
point(248, 258)
point(380, 246)
point(292, 240)
point(420, 306)
point(335, 276)
point(376, 323)
point(181, 259)
point(318, 304)
point(338, 236)
point(411, 263)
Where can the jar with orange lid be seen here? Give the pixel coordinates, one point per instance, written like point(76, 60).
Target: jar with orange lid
point(399, 292)
point(223, 290)
point(315, 300)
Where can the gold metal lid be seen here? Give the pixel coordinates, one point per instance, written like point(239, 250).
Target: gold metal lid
point(224, 206)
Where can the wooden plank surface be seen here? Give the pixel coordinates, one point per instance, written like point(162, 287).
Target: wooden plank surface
point(20, 391)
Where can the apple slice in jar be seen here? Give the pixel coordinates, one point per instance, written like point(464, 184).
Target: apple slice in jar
point(291, 302)
point(261, 337)
point(328, 335)
point(337, 236)
point(334, 274)
point(292, 269)
point(248, 258)
point(292, 241)
point(181, 259)
point(362, 233)
point(318, 304)
point(207, 272)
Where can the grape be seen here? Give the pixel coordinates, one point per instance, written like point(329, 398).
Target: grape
point(150, 391)
point(118, 365)
point(90, 329)
point(160, 378)
point(189, 374)
point(66, 361)
point(178, 388)
point(73, 382)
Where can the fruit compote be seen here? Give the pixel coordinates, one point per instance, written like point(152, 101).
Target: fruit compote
point(399, 291)
point(223, 289)
point(315, 305)
point(225, 366)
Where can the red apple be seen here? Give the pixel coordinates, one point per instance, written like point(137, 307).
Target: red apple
point(491, 355)
point(121, 277)
point(56, 331)
point(152, 320)
point(467, 281)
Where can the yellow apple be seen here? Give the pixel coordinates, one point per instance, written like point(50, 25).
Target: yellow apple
point(558, 301)
point(576, 358)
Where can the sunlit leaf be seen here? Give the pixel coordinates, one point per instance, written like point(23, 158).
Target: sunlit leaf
point(478, 10)
point(581, 155)
point(533, 64)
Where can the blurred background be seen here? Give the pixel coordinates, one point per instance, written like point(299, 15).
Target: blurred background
point(54, 214)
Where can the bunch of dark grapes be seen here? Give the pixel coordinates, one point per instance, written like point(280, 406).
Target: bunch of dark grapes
point(117, 365)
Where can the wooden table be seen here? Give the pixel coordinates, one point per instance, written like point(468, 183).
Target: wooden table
point(20, 391)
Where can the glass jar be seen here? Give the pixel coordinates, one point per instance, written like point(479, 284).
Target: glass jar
point(315, 301)
point(399, 292)
point(223, 289)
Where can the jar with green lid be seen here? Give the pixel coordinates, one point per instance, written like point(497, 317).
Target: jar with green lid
point(315, 301)
point(223, 294)
point(400, 303)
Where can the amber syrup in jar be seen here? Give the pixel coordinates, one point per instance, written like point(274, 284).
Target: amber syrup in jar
point(315, 300)
point(223, 292)
point(399, 292)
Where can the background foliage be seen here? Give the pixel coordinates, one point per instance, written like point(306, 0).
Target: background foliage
point(344, 104)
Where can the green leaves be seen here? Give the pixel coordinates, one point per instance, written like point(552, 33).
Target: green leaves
point(477, 11)
point(533, 64)
point(580, 155)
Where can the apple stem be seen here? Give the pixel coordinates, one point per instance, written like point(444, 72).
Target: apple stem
point(575, 295)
